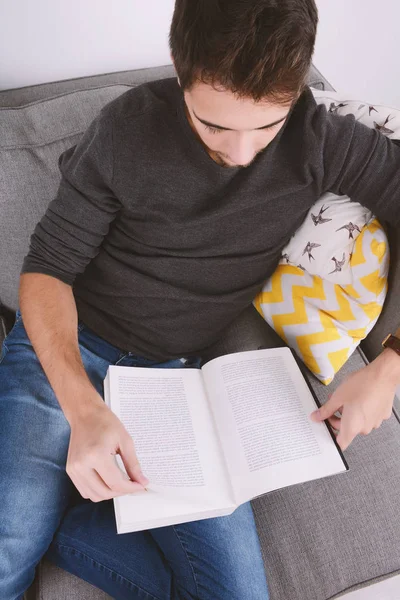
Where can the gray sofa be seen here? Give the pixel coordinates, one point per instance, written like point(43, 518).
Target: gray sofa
point(321, 539)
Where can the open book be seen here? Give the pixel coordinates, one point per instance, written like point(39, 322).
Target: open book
point(213, 438)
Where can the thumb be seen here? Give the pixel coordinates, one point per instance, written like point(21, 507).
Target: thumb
point(328, 409)
point(131, 462)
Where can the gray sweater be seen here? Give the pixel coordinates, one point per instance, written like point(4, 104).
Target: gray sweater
point(163, 247)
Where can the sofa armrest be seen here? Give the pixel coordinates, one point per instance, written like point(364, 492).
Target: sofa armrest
point(317, 80)
point(389, 320)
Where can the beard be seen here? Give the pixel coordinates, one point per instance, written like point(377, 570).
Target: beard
point(220, 160)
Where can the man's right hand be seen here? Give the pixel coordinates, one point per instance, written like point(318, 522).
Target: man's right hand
point(50, 318)
point(96, 436)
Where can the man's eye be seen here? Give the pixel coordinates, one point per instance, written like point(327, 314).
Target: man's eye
point(212, 129)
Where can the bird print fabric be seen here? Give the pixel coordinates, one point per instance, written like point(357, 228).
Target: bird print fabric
point(350, 228)
point(384, 119)
point(324, 243)
point(319, 219)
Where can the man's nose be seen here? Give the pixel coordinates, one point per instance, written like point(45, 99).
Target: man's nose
point(242, 152)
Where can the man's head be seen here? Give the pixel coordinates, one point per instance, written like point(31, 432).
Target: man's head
point(241, 65)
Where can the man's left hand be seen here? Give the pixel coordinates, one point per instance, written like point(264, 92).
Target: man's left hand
point(364, 399)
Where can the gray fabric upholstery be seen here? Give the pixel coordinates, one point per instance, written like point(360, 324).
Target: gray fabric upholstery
point(56, 584)
point(44, 91)
point(316, 539)
point(31, 140)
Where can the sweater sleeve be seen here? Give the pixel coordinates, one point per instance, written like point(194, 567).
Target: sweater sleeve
point(71, 231)
point(361, 163)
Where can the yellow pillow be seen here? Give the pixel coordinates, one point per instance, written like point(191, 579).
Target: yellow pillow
point(322, 321)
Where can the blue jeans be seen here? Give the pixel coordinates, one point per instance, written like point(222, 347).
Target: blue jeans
point(42, 513)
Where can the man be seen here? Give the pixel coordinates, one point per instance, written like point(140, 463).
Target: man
point(171, 213)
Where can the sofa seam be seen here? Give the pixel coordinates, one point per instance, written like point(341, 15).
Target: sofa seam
point(354, 587)
point(40, 145)
point(62, 94)
point(107, 74)
point(67, 135)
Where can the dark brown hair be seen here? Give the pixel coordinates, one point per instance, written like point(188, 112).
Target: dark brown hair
point(260, 49)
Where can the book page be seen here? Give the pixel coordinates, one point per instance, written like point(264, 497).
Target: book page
point(262, 405)
point(166, 413)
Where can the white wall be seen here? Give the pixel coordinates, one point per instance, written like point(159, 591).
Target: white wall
point(48, 40)
point(357, 48)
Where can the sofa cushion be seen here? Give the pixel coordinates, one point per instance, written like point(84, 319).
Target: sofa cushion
point(31, 140)
point(330, 229)
point(321, 319)
point(56, 584)
point(44, 91)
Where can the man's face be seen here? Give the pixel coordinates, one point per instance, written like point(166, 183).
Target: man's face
point(233, 130)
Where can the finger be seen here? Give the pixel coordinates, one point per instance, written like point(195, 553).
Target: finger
point(98, 489)
point(343, 445)
point(104, 492)
point(115, 479)
point(330, 407)
point(87, 490)
point(335, 422)
point(79, 482)
point(347, 433)
point(131, 462)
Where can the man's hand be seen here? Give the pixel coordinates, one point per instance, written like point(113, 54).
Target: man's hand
point(96, 436)
point(364, 399)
